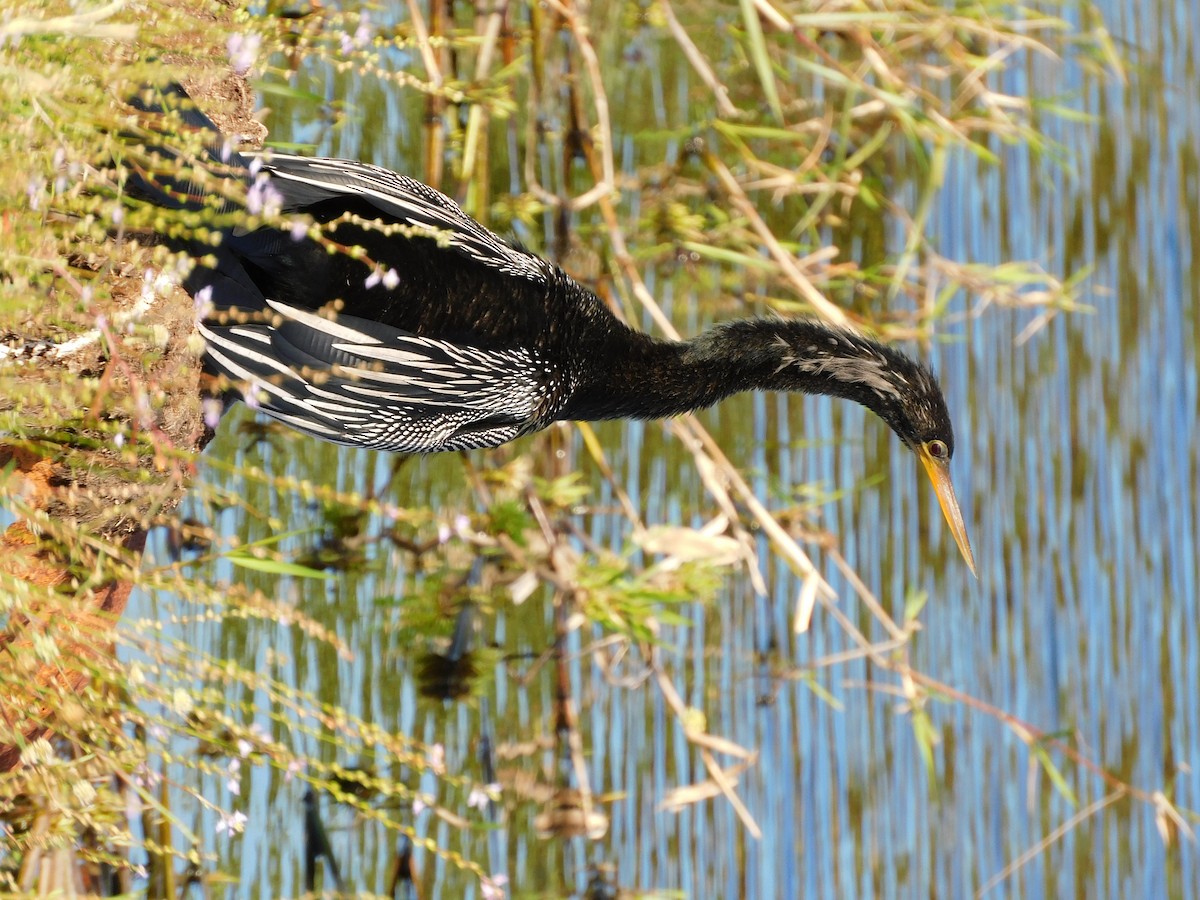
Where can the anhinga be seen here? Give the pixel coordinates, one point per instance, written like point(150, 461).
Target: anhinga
point(427, 332)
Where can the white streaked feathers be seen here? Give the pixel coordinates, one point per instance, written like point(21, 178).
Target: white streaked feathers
point(871, 372)
point(410, 393)
point(321, 323)
point(405, 199)
point(870, 368)
point(365, 385)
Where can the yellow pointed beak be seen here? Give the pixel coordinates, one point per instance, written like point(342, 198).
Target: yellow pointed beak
point(939, 474)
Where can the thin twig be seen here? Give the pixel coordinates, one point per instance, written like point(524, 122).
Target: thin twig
point(699, 63)
point(1086, 813)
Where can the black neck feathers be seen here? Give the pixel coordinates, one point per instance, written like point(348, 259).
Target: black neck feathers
point(638, 376)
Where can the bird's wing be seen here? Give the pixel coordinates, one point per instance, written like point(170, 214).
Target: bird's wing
point(365, 384)
point(304, 181)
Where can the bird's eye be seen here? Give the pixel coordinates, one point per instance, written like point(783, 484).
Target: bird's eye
point(938, 449)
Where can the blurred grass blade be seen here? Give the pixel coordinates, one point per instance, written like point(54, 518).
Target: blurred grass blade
point(277, 567)
point(762, 60)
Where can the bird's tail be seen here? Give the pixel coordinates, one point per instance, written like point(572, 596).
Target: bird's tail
point(177, 158)
point(162, 173)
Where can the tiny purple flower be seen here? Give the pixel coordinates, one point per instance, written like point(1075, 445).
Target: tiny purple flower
point(211, 409)
point(243, 49)
point(492, 887)
point(250, 396)
point(480, 797)
point(203, 301)
point(263, 198)
point(362, 34)
point(373, 279)
point(231, 825)
point(418, 806)
point(118, 440)
point(437, 759)
point(391, 278)
point(146, 777)
point(145, 411)
point(299, 230)
point(294, 768)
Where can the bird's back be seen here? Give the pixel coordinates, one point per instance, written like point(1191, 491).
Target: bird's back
point(378, 314)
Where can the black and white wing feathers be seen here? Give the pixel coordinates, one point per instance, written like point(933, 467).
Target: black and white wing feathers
point(305, 182)
point(364, 384)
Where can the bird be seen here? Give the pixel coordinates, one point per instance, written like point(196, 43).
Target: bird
point(374, 312)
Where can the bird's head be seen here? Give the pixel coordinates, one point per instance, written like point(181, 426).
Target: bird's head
point(899, 389)
point(915, 409)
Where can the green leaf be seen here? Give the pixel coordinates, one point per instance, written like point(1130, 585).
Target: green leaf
point(277, 567)
point(926, 736)
point(721, 254)
point(809, 679)
point(1056, 777)
point(288, 91)
point(762, 60)
point(274, 539)
point(565, 492)
point(767, 132)
point(913, 604)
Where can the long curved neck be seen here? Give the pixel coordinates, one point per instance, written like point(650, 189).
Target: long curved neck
point(640, 377)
